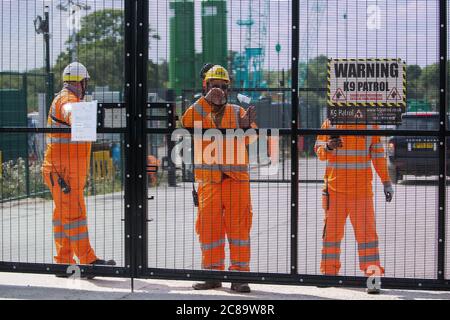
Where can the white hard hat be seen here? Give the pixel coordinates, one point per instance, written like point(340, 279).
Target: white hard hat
point(75, 72)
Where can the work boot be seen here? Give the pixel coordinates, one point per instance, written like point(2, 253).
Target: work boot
point(207, 285)
point(240, 287)
point(99, 262)
point(323, 286)
point(373, 291)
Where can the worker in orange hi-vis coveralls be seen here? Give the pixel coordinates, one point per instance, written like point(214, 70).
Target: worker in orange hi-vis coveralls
point(65, 169)
point(348, 192)
point(225, 210)
point(153, 165)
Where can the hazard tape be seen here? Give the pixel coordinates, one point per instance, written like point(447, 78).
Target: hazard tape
point(365, 104)
point(368, 59)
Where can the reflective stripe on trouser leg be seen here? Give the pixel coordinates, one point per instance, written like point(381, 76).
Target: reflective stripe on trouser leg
point(241, 250)
point(75, 225)
point(209, 226)
point(211, 252)
point(238, 221)
point(333, 234)
point(369, 257)
point(362, 217)
point(64, 253)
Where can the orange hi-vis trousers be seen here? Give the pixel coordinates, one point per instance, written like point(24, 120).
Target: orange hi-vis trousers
point(224, 212)
point(362, 216)
point(70, 222)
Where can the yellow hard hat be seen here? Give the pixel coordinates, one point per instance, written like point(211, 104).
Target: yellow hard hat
point(217, 72)
point(75, 72)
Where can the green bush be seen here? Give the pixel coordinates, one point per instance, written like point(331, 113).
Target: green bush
point(14, 177)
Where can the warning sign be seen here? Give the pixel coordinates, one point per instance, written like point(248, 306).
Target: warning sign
point(339, 95)
point(362, 87)
point(394, 95)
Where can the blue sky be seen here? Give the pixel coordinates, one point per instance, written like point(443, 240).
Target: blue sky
point(406, 29)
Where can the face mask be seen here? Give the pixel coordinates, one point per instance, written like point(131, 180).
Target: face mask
point(224, 89)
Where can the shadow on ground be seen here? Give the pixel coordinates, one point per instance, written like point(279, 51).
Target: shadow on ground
point(120, 289)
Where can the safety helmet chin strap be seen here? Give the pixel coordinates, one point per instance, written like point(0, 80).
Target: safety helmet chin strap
point(80, 93)
point(73, 89)
point(83, 88)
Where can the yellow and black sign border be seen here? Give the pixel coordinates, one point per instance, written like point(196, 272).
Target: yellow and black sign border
point(364, 104)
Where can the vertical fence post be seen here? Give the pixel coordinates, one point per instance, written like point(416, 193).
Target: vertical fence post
point(442, 136)
point(142, 44)
point(171, 124)
point(294, 134)
point(129, 98)
point(26, 138)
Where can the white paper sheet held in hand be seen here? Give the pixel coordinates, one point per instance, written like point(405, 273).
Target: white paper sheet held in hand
point(84, 121)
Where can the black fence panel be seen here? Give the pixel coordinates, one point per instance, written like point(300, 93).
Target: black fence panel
point(62, 202)
point(156, 191)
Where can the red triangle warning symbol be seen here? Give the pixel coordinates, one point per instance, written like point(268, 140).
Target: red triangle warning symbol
point(358, 114)
point(339, 95)
point(394, 95)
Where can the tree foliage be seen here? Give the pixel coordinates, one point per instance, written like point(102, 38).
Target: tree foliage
point(100, 44)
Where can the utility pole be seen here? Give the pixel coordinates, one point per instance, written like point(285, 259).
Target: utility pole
point(42, 26)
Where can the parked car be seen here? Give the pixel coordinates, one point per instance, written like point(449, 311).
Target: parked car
point(416, 156)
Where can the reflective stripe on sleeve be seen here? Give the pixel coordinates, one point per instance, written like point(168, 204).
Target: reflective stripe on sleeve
point(355, 153)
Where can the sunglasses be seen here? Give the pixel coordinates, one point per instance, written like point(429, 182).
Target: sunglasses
point(223, 86)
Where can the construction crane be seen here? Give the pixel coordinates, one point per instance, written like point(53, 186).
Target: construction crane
point(248, 65)
point(309, 31)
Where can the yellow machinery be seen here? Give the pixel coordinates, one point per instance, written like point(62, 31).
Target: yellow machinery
point(103, 165)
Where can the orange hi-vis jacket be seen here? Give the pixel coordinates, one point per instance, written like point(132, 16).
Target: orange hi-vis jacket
point(349, 169)
point(212, 159)
point(62, 155)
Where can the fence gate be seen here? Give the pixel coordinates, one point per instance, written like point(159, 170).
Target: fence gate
point(299, 62)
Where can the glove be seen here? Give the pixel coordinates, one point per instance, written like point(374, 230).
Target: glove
point(388, 191)
point(334, 143)
point(216, 97)
point(248, 118)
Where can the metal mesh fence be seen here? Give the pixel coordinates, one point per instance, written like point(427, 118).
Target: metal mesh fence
point(350, 100)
